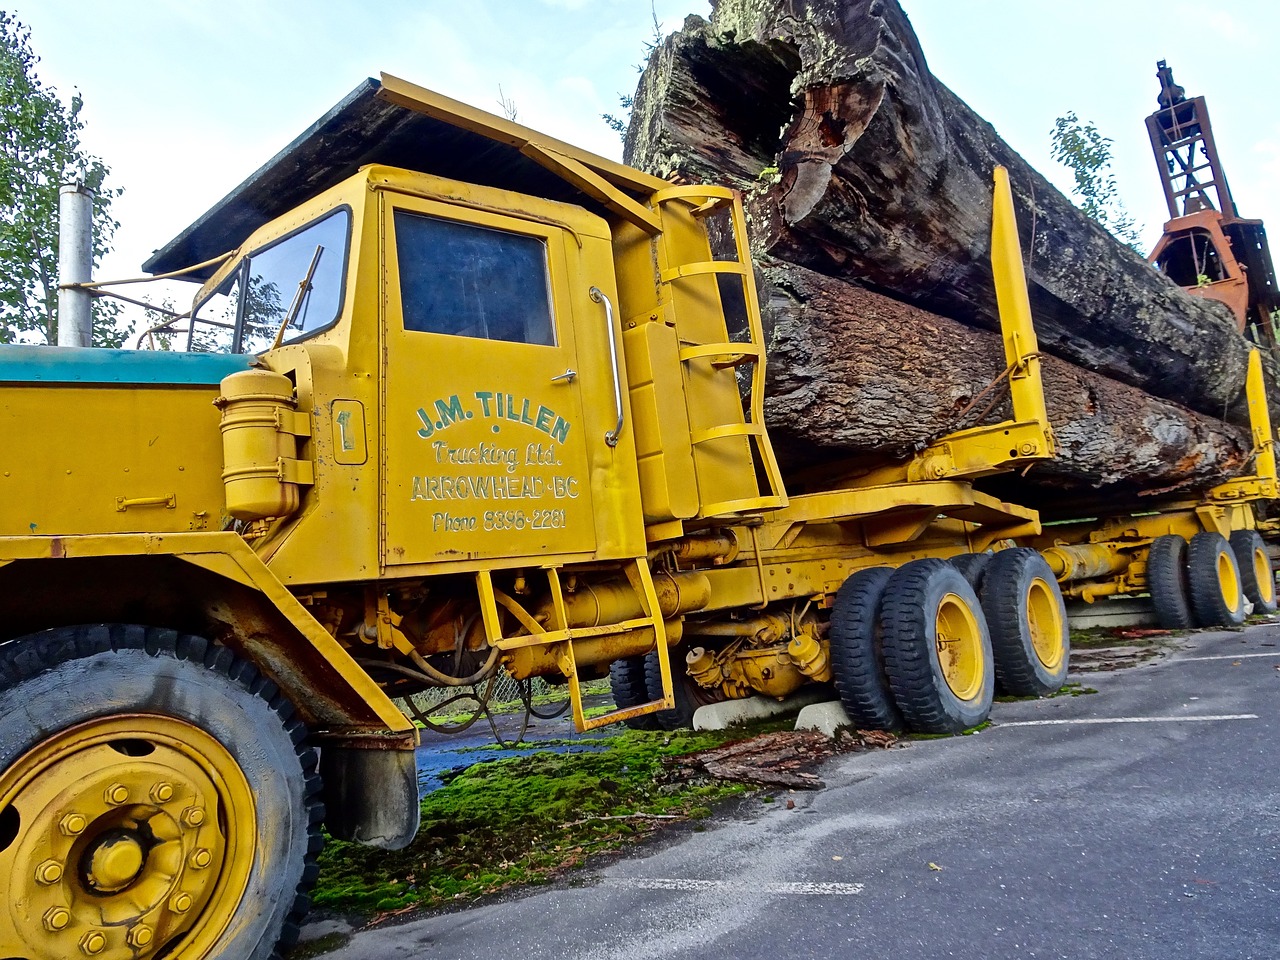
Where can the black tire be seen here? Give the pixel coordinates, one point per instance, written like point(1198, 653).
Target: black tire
point(1167, 582)
point(630, 689)
point(857, 661)
point(973, 567)
point(1214, 578)
point(1257, 577)
point(1028, 622)
point(103, 678)
point(917, 595)
point(690, 695)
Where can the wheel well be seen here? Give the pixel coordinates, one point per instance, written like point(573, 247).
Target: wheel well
point(165, 591)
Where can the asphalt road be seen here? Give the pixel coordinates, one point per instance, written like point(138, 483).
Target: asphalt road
point(1138, 822)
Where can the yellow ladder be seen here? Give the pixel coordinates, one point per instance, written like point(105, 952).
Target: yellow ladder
point(729, 354)
point(563, 636)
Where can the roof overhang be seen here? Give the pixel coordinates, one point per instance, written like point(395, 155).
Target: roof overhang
point(392, 122)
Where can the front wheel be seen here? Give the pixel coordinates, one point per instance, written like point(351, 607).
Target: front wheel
point(156, 799)
point(937, 651)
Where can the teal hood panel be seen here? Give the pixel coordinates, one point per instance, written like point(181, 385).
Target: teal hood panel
point(34, 364)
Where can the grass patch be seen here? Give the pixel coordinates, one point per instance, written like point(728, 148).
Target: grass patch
point(522, 820)
point(1066, 690)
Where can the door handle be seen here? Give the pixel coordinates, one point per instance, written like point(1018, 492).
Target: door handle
point(568, 376)
point(611, 437)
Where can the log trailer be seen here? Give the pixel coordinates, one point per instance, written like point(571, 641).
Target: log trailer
point(461, 399)
point(1199, 557)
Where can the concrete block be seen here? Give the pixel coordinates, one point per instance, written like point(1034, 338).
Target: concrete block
point(734, 713)
point(826, 717)
point(1111, 612)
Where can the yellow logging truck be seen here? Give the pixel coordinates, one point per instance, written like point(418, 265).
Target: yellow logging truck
point(461, 399)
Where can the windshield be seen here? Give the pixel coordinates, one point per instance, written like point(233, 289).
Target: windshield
point(299, 278)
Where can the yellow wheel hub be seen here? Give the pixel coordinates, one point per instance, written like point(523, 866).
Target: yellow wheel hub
point(1263, 576)
point(129, 835)
point(1228, 582)
point(1044, 620)
point(960, 651)
point(114, 862)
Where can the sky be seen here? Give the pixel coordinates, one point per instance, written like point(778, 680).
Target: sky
point(183, 100)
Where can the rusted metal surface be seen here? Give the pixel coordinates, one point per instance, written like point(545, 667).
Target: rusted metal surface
point(1208, 248)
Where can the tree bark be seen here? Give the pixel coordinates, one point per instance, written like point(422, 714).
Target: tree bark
point(856, 376)
point(860, 165)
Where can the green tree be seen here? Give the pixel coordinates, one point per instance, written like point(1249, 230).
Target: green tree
point(39, 150)
point(1087, 154)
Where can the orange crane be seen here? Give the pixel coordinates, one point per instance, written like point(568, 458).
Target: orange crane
point(1208, 249)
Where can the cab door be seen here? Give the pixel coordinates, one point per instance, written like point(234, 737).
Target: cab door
point(485, 448)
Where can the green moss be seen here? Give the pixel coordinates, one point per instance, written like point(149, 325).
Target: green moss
point(519, 820)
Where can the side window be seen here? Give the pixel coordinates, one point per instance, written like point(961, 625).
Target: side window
point(470, 281)
point(214, 326)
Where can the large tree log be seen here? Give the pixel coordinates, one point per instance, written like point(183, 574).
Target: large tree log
point(849, 368)
point(861, 165)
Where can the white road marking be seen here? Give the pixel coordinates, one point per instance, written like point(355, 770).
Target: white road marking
point(1237, 656)
point(1059, 723)
point(687, 885)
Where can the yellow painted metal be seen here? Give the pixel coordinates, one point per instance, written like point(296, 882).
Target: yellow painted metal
point(958, 639)
point(467, 117)
point(1045, 618)
point(1263, 575)
point(1262, 484)
point(1021, 348)
point(259, 430)
point(306, 662)
point(153, 451)
point(1028, 437)
point(613, 601)
point(1229, 581)
point(125, 850)
point(810, 656)
point(502, 453)
point(726, 445)
point(1086, 561)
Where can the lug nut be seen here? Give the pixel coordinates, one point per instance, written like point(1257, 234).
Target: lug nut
point(140, 935)
point(72, 824)
point(193, 816)
point(181, 903)
point(200, 858)
point(162, 792)
point(49, 872)
point(116, 794)
point(93, 942)
point(55, 919)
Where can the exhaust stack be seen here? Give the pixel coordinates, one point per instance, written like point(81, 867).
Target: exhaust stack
point(75, 265)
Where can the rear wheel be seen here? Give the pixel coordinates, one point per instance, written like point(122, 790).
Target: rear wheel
point(857, 661)
point(1216, 597)
point(937, 650)
point(155, 799)
point(1028, 623)
point(1256, 576)
point(1167, 582)
point(630, 689)
point(973, 567)
point(690, 695)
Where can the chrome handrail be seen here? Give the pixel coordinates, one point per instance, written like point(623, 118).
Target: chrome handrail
point(597, 295)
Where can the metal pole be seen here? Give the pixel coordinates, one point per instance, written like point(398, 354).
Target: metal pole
point(75, 265)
